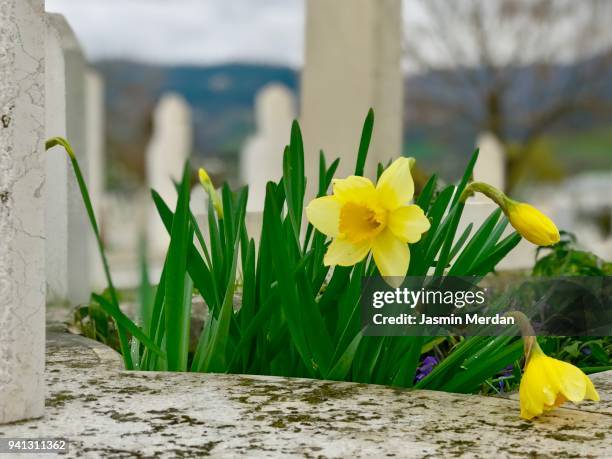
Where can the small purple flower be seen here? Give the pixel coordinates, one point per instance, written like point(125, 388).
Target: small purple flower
point(586, 350)
point(427, 366)
point(504, 374)
point(507, 371)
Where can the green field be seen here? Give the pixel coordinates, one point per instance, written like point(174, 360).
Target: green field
point(578, 152)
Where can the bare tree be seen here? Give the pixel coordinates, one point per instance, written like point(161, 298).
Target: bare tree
point(481, 48)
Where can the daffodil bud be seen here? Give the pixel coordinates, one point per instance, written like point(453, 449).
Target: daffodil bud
point(208, 186)
point(55, 141)
point(530, 223)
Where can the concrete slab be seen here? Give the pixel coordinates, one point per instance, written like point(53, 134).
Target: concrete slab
point(106, 412)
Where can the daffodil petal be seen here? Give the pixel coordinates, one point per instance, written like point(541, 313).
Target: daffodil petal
point(354, 188)
point(395, 187)
point(571, 381)
point(526, 414)
point(535, 391)
point(408, 223)
point(591, 393)
point(391, 255)
point(324, 214)
point(344, 253)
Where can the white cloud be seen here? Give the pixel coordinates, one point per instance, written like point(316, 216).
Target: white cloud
point(212, 31)
point(188, 31)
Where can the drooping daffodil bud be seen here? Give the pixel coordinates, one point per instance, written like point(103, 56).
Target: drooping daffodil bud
point(530, 223)
point(208, 186)
point(547, 383)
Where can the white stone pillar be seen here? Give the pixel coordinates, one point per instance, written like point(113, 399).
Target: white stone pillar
point(262, 156)
point(352, 63)
point(491, 164)
point(67, 225)
point(22, 181)
point(199, 200)
point(491, 168)
point(96, 164)
point(168, 150)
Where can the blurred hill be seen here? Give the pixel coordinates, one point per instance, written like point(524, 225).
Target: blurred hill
point(570, 103)
point(222, 98)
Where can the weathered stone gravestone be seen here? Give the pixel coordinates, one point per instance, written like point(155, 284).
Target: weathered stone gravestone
point(491, 168)
point(491, 164)
point(352, 63)
point(96, 164)
point(262, 156)
point(68, 246)
point(221, 415)
point(198, 201)
point(168, 150)
point(22, 187)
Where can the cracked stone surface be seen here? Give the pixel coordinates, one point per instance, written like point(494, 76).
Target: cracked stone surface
point(106, 412)
point(22, 243)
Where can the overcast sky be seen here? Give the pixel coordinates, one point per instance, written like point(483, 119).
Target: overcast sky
point(269, 31)
point(188, 31)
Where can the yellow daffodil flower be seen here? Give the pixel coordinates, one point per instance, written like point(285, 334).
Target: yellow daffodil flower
point(532, 224)
point(363, 218)
point(208, 186)
point(547, 383)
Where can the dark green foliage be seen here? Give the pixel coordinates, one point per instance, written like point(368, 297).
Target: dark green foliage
point(564, 260)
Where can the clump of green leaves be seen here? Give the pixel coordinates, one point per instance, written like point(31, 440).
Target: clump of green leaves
point(591, 354)
point(298, 317)
point(563, 259)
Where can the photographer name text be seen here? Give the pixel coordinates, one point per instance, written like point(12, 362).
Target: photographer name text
point(452, 319)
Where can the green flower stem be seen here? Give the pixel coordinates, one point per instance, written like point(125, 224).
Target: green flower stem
point(58, 141)
point(489, 191)
point(527, 331)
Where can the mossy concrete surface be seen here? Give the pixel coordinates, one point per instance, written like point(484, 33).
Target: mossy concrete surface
point(106, 412)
